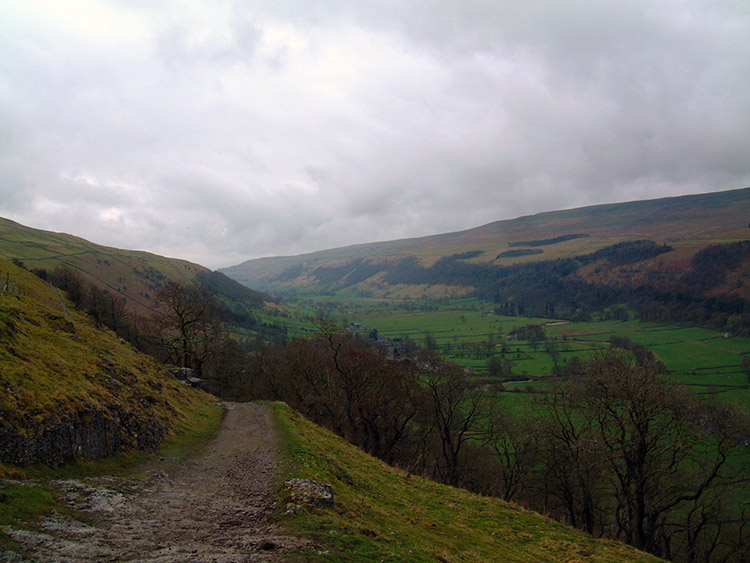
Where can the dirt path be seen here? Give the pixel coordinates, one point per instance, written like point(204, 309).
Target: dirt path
point(218, 507)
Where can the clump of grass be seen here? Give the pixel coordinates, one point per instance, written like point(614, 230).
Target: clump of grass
point(381, 512)
point(23, 504)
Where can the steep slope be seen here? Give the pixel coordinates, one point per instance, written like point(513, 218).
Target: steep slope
point(687, 224)
point(382, 513)
point(69, 388)
point(135, 275)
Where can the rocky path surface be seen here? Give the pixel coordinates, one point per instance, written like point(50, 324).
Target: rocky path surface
point(217, 507)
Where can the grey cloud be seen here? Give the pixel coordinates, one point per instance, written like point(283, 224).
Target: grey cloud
point(231, 130)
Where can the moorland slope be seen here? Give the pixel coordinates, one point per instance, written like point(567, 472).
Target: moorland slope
point(136, 276)
point(417, 267)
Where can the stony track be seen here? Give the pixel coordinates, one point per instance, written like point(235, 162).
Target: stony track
point(217, 507)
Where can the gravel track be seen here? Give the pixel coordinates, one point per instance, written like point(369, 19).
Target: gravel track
point(216, 507)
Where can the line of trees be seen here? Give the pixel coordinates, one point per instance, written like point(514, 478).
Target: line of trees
point(632, 455)
point(618, 451)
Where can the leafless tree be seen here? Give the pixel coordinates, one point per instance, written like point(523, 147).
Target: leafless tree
point(570, 466)
point(455, 415)
point(188, 323)
point(515, 455)
point(660, 457)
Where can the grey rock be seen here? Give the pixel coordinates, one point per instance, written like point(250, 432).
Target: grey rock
point(309, 492)
point(92, 432)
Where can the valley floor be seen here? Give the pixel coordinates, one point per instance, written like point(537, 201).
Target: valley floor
point(216, 507)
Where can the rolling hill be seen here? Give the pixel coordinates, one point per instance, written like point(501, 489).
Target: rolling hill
point(134, 275)
point(417, 267)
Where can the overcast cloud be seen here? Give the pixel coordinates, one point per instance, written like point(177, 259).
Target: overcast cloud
point(219, 131)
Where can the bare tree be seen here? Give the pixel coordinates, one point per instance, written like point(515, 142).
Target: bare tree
point(455, 416)
point(515, 454)
point(570, 465)
point(189, 324)
point(339, 381)
point(664, 455)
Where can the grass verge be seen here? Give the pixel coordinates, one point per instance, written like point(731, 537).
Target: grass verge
point(383, 513)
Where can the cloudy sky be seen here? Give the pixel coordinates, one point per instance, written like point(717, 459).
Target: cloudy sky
point(219, 131)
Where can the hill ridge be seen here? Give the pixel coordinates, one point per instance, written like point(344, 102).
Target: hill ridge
point(541, 214)
point(688, 223)
point(136, 276)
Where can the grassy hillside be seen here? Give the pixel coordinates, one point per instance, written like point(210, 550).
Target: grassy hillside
point(687, 224)
point(70, 388)
point(134, 275)
point(381, 513)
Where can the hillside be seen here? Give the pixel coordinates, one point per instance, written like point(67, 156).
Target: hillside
point(407, 268)
point(72, 389)
point(383, 513)
point(134, 275)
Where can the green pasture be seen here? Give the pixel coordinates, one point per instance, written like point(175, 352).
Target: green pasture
point(468, 332)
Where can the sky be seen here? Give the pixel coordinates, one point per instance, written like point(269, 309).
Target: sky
point(219, 131)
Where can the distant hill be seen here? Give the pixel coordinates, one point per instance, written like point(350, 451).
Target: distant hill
point(417, 267)
point(70, 388)
point(134, 275)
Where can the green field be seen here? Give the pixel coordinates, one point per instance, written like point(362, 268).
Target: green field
point(468, 332)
